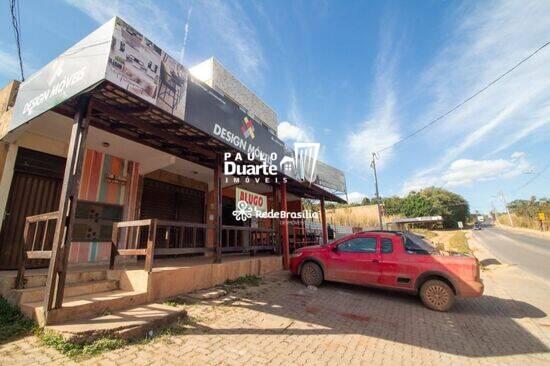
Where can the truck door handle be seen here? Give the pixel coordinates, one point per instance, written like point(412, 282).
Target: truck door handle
point(375, 261)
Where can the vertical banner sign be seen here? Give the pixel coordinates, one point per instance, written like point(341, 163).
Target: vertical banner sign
point(258, 202)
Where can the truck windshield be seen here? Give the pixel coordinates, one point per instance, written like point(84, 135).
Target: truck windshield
point(417, 244)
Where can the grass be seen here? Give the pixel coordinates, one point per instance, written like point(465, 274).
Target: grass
point(75, 351)
point(90, 349)
point(358, 216)
point(178, 301)
point(13, 323)
point(425, 233)
point(244, 281)
point(458, 243)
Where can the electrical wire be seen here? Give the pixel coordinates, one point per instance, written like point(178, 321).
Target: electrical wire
point(434, 121)
point(535, 177)
point(16, 23)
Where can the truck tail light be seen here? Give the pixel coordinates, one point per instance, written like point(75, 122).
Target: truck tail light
point(476, 270)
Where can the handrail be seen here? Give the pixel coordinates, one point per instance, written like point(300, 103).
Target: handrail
point(37, 221)
point(153, 232)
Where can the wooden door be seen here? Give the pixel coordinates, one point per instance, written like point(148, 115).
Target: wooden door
point(35, 189)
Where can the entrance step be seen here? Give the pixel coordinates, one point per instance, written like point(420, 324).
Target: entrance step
point(35, 294)
point(130, 323)
point(85, 306)
point(39, 279)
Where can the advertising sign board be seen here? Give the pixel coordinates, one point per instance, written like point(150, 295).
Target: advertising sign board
point(257, 202)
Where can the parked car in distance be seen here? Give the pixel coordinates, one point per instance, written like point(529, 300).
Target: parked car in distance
point(477, 226)
point(391, 259)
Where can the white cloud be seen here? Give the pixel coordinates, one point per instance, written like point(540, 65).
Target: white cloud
point(381, 128)
point(295, 129)
point(485, 43)
point(230, 27)
point(223, 29)
point(290, 132)
point(465, 172)
point(146, 15)
point(355, 197)
point(10, 65)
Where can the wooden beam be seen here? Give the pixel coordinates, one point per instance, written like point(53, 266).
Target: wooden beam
point(284, 228)
point(324, 221)
point(39, 254)
point(55, 283)
point(144, 126)
point(275, 224)
point(218, 210)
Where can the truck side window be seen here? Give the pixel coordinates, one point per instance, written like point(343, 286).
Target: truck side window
point(387, 245)
point(359, 245)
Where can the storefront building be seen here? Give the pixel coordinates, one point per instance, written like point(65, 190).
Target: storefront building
point(114, 152)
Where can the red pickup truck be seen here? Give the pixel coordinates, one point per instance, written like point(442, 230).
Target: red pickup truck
point(391, 259)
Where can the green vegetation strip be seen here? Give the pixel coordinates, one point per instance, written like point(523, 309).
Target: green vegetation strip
point(13, 323)
point(458, 243)
point(244, 281)
point(73, 350)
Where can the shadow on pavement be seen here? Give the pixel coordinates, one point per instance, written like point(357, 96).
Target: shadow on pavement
point(478, 327)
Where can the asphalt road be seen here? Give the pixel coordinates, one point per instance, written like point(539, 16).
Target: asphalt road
point(530, 253)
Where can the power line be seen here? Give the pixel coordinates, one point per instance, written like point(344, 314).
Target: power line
point(434, 121)
point(536, 176)
point(16, 23)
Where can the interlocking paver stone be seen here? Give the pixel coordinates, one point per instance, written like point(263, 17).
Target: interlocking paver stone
point(282, 323)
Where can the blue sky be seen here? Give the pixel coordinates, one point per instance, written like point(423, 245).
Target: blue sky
point(357, 76)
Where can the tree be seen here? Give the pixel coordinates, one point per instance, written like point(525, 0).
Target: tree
point(392, 205)
point(430, 202)
point(366, 201)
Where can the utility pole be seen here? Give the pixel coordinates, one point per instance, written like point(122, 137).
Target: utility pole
point(373, 166)
point(506, 205)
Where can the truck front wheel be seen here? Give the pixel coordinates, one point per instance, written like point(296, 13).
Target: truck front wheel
point(311, 274)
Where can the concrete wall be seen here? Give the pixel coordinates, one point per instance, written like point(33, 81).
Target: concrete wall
point(216, 76)
point(7, 100)
point(176, 281)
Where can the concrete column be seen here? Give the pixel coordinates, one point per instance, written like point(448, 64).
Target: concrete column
point(7, 176)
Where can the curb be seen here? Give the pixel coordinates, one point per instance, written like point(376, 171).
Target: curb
point(530, 232)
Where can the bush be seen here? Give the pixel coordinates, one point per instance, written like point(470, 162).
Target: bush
point(12, 322)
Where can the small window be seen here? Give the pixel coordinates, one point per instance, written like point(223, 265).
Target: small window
point(387, 245)
point(359, 245)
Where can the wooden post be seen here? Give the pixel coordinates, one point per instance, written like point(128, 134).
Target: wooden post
point(20, 279)
point(284, 228)
point(151, 239)
point(218, 209)
point(275, 227)
point(114, 246)
point(324, 221)
point(57, 270)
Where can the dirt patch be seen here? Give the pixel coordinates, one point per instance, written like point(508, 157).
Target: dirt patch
point(313, 309)
point(353, 316)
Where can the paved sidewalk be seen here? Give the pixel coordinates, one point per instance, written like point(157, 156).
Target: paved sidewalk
point(517, 284)
point(283, 323)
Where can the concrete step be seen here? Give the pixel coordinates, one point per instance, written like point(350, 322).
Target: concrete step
point(126, 324)
point(39, 279)
point(35, 294)
point(85, 306)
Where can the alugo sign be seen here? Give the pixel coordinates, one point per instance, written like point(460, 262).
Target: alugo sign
point(257, 202)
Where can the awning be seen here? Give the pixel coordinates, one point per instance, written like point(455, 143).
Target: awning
point(141, 93)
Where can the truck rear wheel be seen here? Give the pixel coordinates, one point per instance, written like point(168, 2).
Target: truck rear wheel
point(311, 274)
point(437, 295)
